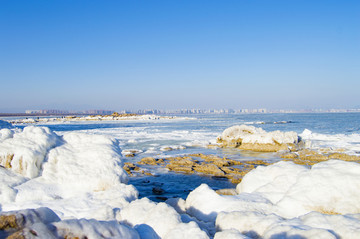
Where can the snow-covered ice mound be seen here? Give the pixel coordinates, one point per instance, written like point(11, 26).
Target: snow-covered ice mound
point(76, 175)
point(256, 139)
point(44, 223)
point(161, 217)
point(25, 151)
point(284, 200)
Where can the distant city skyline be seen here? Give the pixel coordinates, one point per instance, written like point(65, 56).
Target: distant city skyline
point(187, 111)
point(76, 55)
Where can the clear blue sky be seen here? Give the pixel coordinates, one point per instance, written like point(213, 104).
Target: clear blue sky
point(173, 54)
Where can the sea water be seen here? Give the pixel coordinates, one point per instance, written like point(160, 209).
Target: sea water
point(193, 135)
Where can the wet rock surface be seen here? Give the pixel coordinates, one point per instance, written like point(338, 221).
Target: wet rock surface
point(209, 165)
point(311, 157)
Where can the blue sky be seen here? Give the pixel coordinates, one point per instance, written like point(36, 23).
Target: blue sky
point(179, 54)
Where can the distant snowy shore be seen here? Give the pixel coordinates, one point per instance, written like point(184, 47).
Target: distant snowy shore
point(114, 117)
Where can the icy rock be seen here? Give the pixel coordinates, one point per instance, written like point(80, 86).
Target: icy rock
point(344, 226)
point(162, 218)
point(90, 162)
point(93, 229)
point(25, 151)
point(256, 139)
point(330, 187)
point(252, 224)
point(272, 181)
point(44, 223)
point(205, 204)
point(15, 220)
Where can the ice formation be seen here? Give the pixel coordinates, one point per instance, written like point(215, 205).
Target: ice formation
point(252, 138)
point(284, 200)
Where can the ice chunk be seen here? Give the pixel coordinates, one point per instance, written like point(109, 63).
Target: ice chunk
point(250, 223)
point(93, 229)
point(204, 203)
point(25, 152)
point(272, 181)
point(252, 138)
point(329, 187)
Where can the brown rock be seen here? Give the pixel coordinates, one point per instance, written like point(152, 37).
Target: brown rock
point(6, 161)
point(8, 222)
point(264, 147)
point(17, 235)
point(209, 169)
point(345, 157)
point(148, 161)
point(227, 191)
point(176, 168)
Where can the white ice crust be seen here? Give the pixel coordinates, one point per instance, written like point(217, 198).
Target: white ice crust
point(253, 135)
point(285, 200)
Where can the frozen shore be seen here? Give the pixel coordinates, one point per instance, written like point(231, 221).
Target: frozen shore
point(73, 185)
point(113, 117)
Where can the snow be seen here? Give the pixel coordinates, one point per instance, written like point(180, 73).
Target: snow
point(331, 186)
point(29, 149)
point(273, 181)
point(205, 204)
point(285, 200)
point(343, 142)
point(93, 229)
point(253, 135)
point(165, 221)
point(76, 175)
point(80, 158)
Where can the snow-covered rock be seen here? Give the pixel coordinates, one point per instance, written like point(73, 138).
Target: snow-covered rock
point(165, 221)
point(252, 138)
point(24, 152)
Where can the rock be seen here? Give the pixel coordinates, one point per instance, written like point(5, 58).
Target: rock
point(149, 161)
point(182, 169)
point(264, 147)
point(8, 222)
point(209, 169)
point(344, 157)
point(226, 191)
point(130, 155)
point(6, 161)
point(158, 191)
